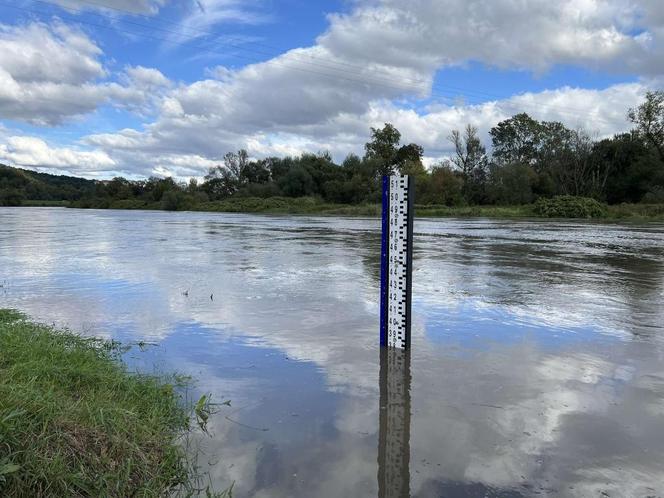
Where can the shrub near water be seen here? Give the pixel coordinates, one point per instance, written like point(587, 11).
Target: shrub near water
point(74, 422)
point(568, 206)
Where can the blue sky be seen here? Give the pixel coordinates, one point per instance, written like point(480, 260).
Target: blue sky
point(159, 87)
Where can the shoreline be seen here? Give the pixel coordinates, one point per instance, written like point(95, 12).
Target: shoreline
point(312, 207)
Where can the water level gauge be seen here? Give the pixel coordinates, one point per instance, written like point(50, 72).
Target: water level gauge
point(396, 261)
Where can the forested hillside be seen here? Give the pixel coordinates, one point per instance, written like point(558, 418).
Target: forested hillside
point(17, 185)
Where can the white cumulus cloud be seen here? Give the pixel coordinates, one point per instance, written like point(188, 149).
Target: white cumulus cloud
point(52, 73)
point(35, 152)
point(375, 63)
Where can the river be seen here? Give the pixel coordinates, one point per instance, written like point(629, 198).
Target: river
point(536, 368)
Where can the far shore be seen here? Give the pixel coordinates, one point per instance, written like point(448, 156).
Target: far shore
point(313, 206)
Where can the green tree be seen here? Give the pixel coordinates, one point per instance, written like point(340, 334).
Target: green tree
point(119, 188)
point(172, 200)
point(224, 181)
point(560, 157)
point(255, 172)
point(386, 154)
point(649, 120)
point(409, 159)
point(630, 168)
point(155, 188)
point(297, 182)
point(11, 197)
point(516, 140)
point(383, 148)
point(352, 163)
point(511, 184)
point(575, 173)
point(360, 181)
point(443, 185)
point(471, 160)
point(321, 169)
point(278, 166)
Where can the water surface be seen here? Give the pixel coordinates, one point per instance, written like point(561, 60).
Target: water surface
point(537, 363)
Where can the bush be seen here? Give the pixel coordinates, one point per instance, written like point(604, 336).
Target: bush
point(568, 206)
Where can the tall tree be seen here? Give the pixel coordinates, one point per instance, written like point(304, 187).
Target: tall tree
point(471, 159)
point(409, 159)
point(385, 154)
point(444, 185)
point(469, 152)
point(237, 164)
point(649, 120)
point(574, 171)
point(629, 168)
point(516, 140)
point(511, 183)
point(383, 148)
point(223, 181)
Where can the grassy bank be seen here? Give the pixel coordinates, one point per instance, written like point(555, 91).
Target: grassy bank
point(475, 211)
point(75, 422)
point(315, 206)
point(286, 205)
point(636, 212)
point(271, 205)
point(626, 212)
point(312, 206)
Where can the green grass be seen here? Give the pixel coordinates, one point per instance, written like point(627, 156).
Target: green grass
point(75, 422)
point(316, 206)
point(636, 212)
point(286, 205)
point(525, 211)
point(313, 206)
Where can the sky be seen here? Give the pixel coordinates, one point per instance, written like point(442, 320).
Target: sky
point(138, 88)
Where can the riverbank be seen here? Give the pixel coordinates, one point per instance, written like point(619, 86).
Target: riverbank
point(75, 422)
point(315, 206)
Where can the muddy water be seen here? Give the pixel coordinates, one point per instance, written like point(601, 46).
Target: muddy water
point(537, 363)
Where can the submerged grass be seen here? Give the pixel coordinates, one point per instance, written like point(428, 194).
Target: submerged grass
point(75, 422)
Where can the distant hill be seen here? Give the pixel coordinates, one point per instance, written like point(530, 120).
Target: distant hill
point(17, 185)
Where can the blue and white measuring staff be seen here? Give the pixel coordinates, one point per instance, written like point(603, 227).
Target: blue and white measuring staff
point(396, 261)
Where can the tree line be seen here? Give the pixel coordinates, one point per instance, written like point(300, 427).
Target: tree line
point(529, 160)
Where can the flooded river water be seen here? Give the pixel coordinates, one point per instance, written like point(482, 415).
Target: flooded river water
point(536, 369)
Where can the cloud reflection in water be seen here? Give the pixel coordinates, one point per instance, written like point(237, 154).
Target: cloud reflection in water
point(537, 362)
